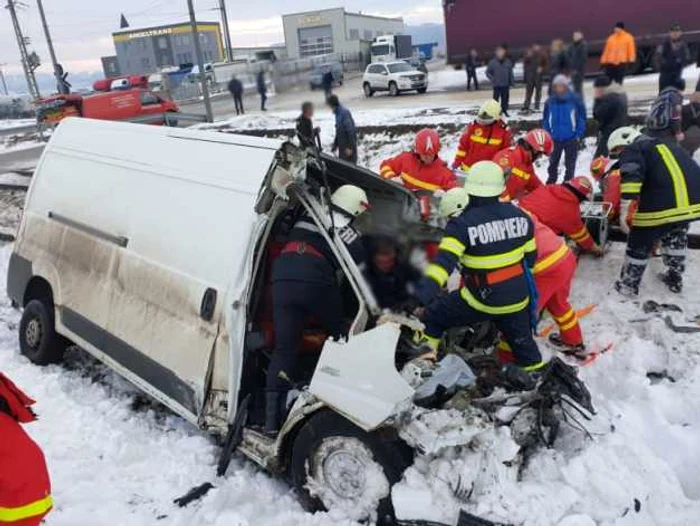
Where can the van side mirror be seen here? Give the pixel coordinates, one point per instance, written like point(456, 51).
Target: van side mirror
point(206, 309)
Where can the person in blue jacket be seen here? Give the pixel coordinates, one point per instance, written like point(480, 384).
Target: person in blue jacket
point(564, 118)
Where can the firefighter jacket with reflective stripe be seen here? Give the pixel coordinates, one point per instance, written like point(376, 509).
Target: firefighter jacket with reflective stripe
point(25, 489)
point(611, 191)
point(519, 170)
point(480, 142)
point(557, 207)
point(491, 241)
point(664, 178)
point(416, 175)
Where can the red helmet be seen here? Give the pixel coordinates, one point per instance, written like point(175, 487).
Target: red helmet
point(599, 167)
point(540, 141)
point(427, 142)
point(583, 185)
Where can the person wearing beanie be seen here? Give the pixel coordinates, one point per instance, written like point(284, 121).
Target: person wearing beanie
point(564, 117)
point(609, 110)
point(673, 55)
point(619, 53)
point(664, 118)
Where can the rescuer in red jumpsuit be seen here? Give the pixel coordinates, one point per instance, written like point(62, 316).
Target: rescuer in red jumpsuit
point(554, 271)
point(608, 176)
point(421, 169)
point(483, 138)
point(558, 206)
point(517, 163)
point(25, 489)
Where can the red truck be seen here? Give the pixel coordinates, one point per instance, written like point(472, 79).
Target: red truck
point(517, 23)
point(115, 105)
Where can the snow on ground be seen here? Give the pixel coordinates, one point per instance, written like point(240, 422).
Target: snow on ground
point(117, 460)
point(6, 124)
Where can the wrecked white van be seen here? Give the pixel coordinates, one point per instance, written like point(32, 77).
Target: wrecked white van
point(151, 248)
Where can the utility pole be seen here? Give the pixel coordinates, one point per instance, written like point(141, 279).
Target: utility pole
point(29, 64)
point(200, 62)
point(57, 69)
point(227, 31)
point(2, 78)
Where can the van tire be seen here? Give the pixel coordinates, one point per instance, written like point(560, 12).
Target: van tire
point(171, 120)
point(327, 430)
point(38, 340)
point(422, 90)
point(393, 89)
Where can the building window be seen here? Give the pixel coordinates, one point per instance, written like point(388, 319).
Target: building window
point(148, 98)
point(367, 35)
point(162, 43)
point(145, 63)
point(380, 33)
point(186, 40)
point(354, 34)
point(203, 38)
point(187, 57)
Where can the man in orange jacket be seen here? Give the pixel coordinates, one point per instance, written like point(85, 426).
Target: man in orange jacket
point(483, 138)
point(619, 52)
point(554, 271)
point(25, 489)
point(558, 206)
point(518, 161)
point(421, 169)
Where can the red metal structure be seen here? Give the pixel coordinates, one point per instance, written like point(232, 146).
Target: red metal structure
point(517, 23)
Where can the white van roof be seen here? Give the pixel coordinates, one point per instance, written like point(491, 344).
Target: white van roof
point(203, 156)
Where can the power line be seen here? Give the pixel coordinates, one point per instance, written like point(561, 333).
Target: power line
point(29, 61)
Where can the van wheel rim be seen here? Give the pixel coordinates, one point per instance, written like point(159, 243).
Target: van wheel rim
point(344, 475)
point(33, 333)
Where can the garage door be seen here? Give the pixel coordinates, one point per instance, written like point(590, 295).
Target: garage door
point(315, 41)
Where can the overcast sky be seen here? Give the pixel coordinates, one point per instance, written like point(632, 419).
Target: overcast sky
point(81, 29)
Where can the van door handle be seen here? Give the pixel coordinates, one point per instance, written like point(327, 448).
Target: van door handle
point(206, 310)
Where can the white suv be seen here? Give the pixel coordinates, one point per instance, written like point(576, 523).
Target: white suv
point(393, 77)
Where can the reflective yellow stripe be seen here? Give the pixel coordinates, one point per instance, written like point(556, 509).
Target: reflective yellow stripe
point(386, 168)
point(495, 261)
point(550, 260)
point(453, 245)
point(28, 510)
point(564, 317)
point(420, 184)
point(666, 216)
point(437, 273)
point(460, 153)
point(679, 187)
point(520, 173)
point(433, 343)
point(484, 140)
point(488, 309)
point(630, 188)
point(534, 367)
point(580, 233)
point(569, 325)
point(503, 346)
point(531, 246)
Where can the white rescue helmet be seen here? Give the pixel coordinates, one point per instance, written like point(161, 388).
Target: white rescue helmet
point(489, 112)
point(622, 137)
point(350, 199)
point(485, 179)
point(453, 202)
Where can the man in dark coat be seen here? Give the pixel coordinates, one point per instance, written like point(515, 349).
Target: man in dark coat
point(609, 110)
point(235, 86)
point(534, 66)
point(578, 56)
point(391, 280)
point(558, 61)
point(262, 89)
point(305, 127)
point(500, 73)
point(345, 131)
point(470, 65)
point(327, 81)
point(691, 124)
point(673, 56)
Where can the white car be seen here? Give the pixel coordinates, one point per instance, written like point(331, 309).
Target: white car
point(393, 77)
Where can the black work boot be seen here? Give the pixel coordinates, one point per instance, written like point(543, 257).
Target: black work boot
point(517, 378)
point(673, 280)
point(631, 276)
point(557, 341)
point(272, 413)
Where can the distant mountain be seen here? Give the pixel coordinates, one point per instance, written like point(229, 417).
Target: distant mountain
point(16, 83)
point(424, 33)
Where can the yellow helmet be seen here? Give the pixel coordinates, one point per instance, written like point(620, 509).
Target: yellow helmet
point(485, 179)
point(351, 199)
point(489, 112)
point(453, 202)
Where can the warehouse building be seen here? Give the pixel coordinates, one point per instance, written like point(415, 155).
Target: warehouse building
point(148, 50)
point(334, 31)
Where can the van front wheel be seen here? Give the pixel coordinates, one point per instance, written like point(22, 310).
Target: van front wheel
point(38, 340)
point(337, 466)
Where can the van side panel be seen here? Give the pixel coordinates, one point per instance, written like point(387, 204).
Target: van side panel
point(132, 241)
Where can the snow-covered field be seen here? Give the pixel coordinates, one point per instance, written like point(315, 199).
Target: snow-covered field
point(115, 460)
point(6, 124)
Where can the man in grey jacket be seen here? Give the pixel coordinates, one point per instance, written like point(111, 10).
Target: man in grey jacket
point(500, 73)
point(345, 131)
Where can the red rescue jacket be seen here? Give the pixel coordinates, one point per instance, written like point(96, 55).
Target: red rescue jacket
point(520, 172)
point(611, 192)
point(559, 209)
point(551, 249)
point(416, 175)
point(480, 142)
point(25, 489)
